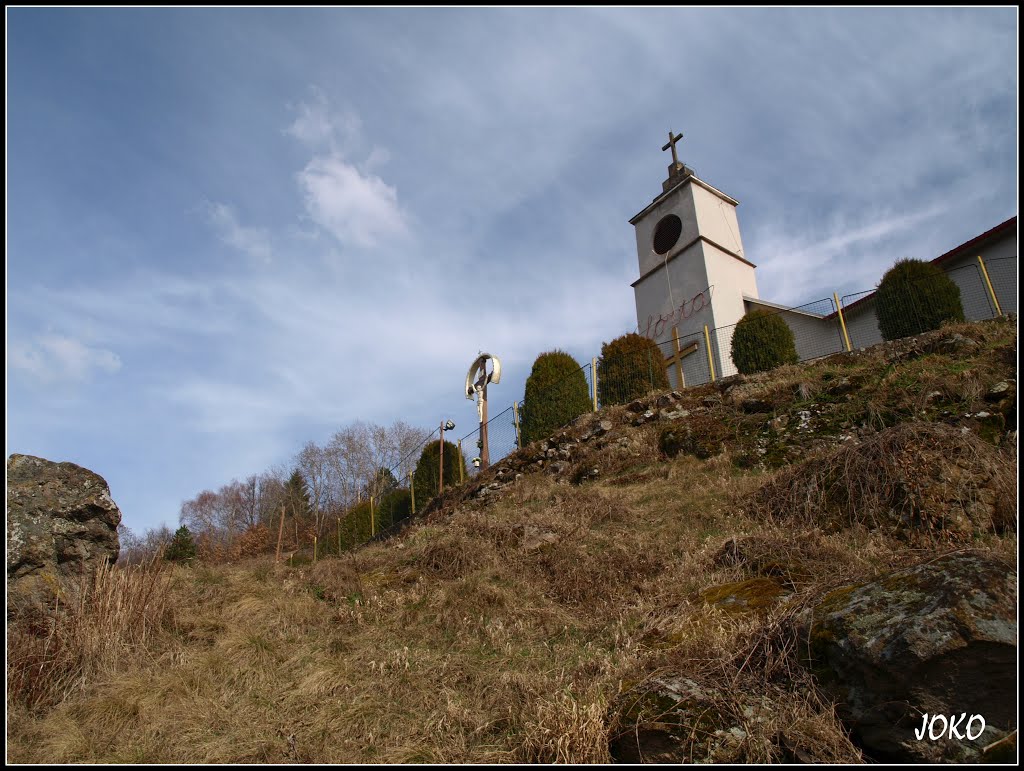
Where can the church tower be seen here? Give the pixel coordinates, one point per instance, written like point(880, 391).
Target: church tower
point(693, 271)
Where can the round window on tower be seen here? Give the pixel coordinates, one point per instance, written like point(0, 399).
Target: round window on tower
point(667, 233)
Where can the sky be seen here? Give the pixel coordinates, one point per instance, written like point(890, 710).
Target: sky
point(231, 232)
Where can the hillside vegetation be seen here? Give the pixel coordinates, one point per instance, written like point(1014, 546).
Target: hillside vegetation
point(542, 611)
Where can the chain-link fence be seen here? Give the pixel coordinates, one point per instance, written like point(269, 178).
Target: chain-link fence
point(921, 304)
point(1002, 272)
point(820, 328)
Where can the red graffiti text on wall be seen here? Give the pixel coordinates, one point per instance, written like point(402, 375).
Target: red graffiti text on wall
point(656, 328)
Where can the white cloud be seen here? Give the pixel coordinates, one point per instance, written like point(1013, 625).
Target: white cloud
point(356, 208)
point(313, 126)
point(847, 255)
point(56, 358)
point(254, 242)
point(343, 196)
point(318, 126)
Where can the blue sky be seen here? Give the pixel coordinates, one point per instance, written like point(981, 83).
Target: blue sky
point(230, 232)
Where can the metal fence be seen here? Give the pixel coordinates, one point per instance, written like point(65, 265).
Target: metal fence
point(820, 328)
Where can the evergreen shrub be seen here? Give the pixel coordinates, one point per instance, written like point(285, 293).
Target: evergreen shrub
point(915, 296)
point(556, 394)
point(631, 366)
point(762, 341)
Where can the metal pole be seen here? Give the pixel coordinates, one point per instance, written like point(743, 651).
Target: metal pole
point(373, 527)
point(280, 532)
point(412, 492)
point(515, 420)
point(711, 360)
point(485, 451)
point(593, 379)
point(440, 464)
point(991, 291)
point(842, 323)
point(462, 463)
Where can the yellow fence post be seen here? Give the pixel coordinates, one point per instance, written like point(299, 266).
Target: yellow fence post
point(412, 493)
point(462, 463)
point(593, 378)
point(314, 548)
point(711, 360)
point(988, 283)
point(515, 420)
point(842, 322)
point(373, 527)
point(280, 532)
point(339, 536)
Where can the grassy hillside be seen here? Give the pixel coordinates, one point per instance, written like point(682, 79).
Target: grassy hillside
point(540, 618)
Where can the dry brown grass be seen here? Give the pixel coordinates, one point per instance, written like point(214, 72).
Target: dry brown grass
point(475, 640)
point(916, 479)
point(94, 626)
point(531, 626)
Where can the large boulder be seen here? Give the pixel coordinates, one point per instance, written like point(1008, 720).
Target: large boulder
point(61, 523)
point(939, 638)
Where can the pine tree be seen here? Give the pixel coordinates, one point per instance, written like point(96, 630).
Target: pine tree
point(182, 547)
point(296, 497)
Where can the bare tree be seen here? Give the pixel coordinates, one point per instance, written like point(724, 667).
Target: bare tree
point(358, 453)
point(316, 470)
point(359, 460)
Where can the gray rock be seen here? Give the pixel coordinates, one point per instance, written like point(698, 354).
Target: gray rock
point(533, 538)
point(841, 387)
point(677, 414)
point(998, 391)
point(61, 523)
point(668, 400)
point(955, 343)
point(675, 719)
point(938, 638)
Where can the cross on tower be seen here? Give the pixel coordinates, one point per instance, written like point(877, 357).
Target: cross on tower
point(672, 143)
point(680, 354)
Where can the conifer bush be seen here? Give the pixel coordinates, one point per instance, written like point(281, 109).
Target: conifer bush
point(424, 478)
point(630, 366)
point(762, 341)
point(182, 547)
point(396, 505)
point(355, 526)
point(915, 296)
point(556, 394)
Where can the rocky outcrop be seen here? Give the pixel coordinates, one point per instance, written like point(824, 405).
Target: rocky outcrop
point(939, 638)
point(61, 522)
